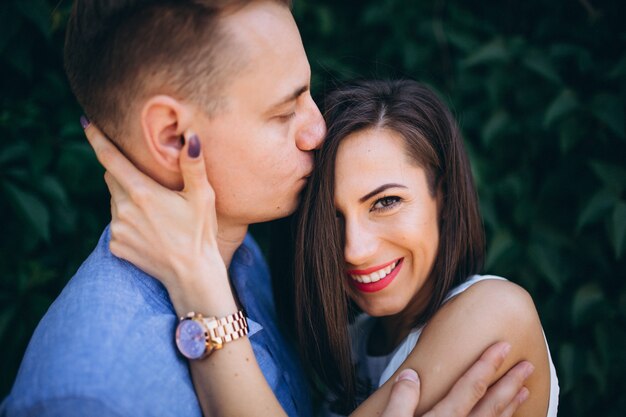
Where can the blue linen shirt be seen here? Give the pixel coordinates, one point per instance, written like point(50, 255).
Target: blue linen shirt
point(106, 345)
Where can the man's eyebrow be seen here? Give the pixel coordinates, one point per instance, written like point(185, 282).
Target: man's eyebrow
point(380, 190)
point(291, 97)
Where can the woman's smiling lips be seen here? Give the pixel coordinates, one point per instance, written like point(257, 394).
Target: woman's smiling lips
point(375, 278)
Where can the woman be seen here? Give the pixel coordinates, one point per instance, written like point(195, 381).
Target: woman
point(392, 193)
point(391, 221)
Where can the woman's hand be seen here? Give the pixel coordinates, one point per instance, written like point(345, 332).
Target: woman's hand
point(171, 235)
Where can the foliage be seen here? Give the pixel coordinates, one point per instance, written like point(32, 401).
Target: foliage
point(52, 198)
point(539, 89)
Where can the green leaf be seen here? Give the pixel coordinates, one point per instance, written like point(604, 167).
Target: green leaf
point(609, 109)
point(548, 262)
point(39, 13)
point(619, 70)
point(31, 208)
point(38, 304)
point(37, 275)
point(603, 338)
point(494, 51)
point(596, 371)
point(20, 59)
point(463, 41)
point(53, 189)
point(564, 103)
point(13, 152)
point(541, 64)
point(568, 366)
point(622, 303)
point(500, 244)
point(612, 176)
point(9, 25)
point(325, 20)
point(599, 205)
point(619, 228)
point(587, 299)
point(571, 132)
point(7, 316)
point(496, 124)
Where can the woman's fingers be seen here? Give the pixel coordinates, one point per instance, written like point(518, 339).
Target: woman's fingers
point(118, 193)
point(115, 162)
point(193, 169)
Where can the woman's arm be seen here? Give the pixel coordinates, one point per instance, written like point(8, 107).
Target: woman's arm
point(177, 243)
point(489, 311)
point(171, 236)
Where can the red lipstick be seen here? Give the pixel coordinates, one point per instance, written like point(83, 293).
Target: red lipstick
point(378, 285)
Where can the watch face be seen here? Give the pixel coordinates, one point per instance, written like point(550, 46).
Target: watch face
point(190, 339)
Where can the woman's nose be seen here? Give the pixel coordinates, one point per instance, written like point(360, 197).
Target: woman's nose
point(360, 245)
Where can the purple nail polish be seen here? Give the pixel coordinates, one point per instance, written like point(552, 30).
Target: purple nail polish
point(84, 121)
point(194, 146)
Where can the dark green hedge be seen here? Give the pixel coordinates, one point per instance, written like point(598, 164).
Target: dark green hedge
point(539, 89)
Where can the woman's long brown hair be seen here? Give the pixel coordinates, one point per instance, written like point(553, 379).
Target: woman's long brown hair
point(433, 141)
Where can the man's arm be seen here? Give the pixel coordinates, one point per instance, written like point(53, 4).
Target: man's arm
point(64, 406)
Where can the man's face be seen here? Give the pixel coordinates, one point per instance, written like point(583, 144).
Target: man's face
point(258, 150)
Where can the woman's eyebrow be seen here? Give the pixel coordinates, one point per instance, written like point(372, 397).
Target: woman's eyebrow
point(380, 190)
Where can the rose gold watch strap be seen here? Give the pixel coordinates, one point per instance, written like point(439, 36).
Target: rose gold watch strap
point(228, 328)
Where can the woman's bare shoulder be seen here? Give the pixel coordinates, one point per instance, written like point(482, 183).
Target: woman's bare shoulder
point(501, 297)
point(487, 312)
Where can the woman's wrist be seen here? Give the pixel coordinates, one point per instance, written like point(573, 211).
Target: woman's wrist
point(203, 286)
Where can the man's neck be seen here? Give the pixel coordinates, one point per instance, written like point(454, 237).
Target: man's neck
point(229, 237)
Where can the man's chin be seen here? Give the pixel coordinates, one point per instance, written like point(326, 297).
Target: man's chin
point(279, 211)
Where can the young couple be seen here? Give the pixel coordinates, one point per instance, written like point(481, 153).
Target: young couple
point(210, 103)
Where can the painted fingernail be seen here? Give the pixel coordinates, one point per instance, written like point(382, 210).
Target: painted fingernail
point(84, 121)
point(194, 146)
point(528, 370)
point(408, 375)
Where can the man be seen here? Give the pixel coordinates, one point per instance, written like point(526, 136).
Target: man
point(235, 73)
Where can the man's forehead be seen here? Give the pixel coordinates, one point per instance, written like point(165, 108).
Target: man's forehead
point(275, 70)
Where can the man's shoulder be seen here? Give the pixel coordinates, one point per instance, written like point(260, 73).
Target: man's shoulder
point(249, 271)
point(108, 337)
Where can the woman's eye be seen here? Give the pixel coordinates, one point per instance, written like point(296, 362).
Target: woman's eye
point(386, 203)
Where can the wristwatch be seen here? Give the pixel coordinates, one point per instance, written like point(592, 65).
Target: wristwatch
point(198, 336)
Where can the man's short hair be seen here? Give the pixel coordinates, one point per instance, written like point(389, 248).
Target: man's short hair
point(119, 50)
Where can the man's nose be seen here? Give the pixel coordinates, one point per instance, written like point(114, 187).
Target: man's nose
point(360, 244)
point(313, 130)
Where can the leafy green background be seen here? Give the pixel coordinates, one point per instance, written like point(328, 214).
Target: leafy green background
point(539, 89)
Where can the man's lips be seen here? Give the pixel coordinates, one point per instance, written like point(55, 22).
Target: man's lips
point(375, 278)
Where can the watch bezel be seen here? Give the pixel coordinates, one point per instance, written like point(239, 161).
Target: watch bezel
point(216, 332)
point(209, 343)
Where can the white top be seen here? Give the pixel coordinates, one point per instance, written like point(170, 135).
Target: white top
point(376, 370)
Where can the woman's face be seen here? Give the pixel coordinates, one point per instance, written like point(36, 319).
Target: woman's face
point(390, 220)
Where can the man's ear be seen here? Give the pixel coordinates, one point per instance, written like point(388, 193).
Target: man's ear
point(163, 122)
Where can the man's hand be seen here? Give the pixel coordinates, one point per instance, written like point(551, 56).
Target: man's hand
point(470, 396)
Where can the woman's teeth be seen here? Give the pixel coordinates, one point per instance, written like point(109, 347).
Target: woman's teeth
point(374, 276)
